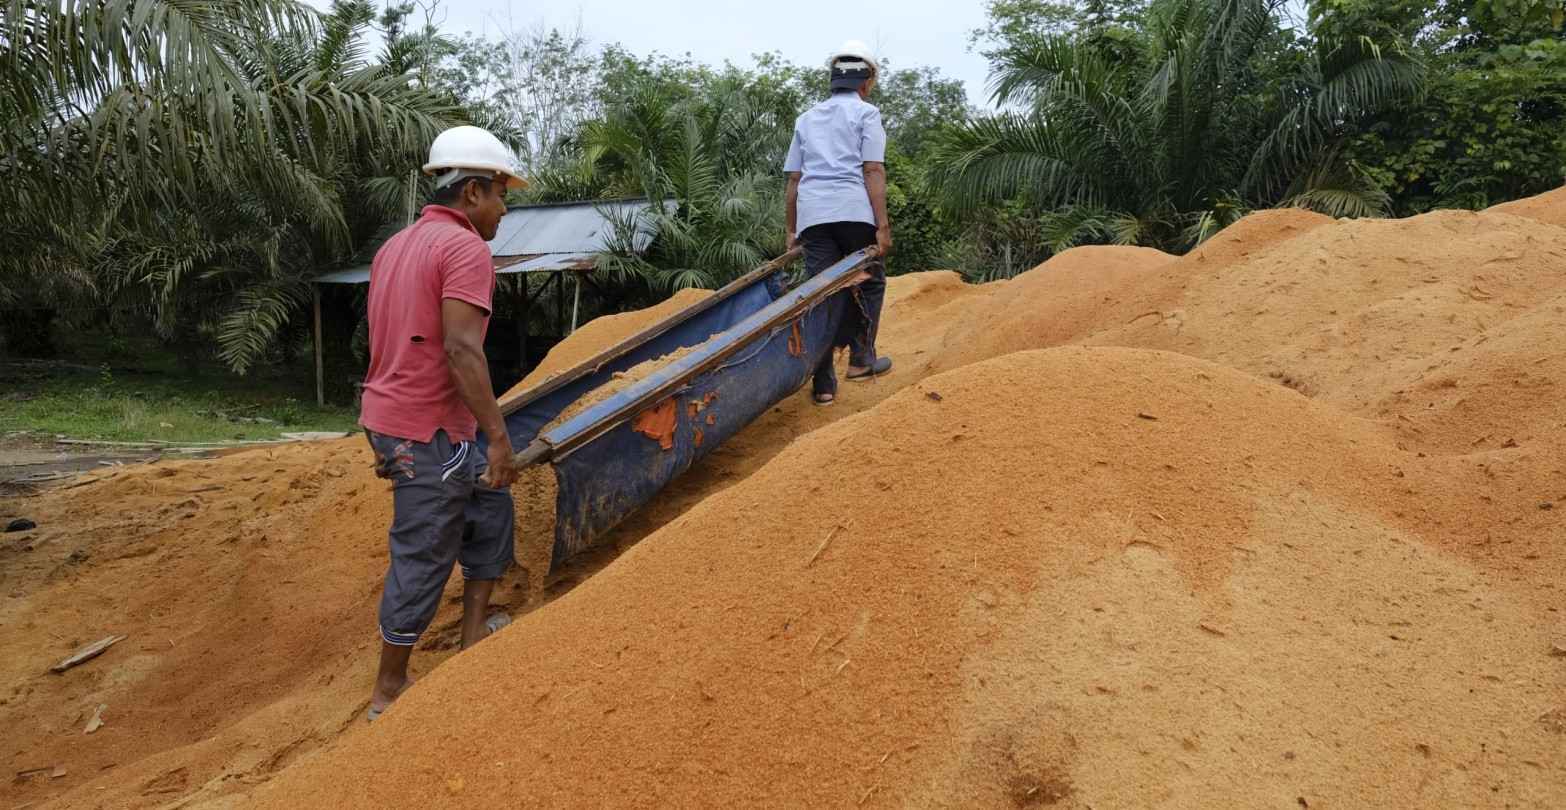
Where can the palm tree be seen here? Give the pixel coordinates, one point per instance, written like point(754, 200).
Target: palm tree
point(202, 160)
point(707, 160)
point(1164, 138)
point(83, 88)
point(349, 133)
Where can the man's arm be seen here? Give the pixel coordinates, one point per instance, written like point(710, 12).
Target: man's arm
point(463, 326)
point(875, 183)
point(791, 211)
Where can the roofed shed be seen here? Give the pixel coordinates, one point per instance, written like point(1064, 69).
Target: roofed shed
point(555, 238)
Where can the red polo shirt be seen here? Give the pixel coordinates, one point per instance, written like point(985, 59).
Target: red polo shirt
point(408, 392)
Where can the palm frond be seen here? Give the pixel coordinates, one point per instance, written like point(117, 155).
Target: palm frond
point(259, 313)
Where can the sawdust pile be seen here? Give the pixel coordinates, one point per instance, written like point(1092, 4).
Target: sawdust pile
point(1089, 576)
point(246, 586)
point(619, 381)
point(1273, 524)
point(1246, 600)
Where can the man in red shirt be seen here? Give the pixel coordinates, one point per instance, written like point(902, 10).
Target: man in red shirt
point(426, 395)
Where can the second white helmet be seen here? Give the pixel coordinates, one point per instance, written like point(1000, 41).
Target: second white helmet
point(855, 50)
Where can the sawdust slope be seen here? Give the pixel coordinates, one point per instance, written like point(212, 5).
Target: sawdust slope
point(1087, 290)
point(247, 587)
point(1048, 599)
point(1056, 303)
point(919, 307)
point(200, 713)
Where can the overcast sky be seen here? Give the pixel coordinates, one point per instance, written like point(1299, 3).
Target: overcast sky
point(905, 32)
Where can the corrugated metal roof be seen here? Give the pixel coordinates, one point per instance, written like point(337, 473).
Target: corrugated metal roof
point(547, 263)
point(580, 227)
point(353, 275)
point(540, 238)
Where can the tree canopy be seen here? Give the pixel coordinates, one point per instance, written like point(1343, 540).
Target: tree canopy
point(191, 167)
point(199, 161)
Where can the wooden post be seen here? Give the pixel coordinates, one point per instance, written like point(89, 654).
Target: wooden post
point(560, 300)
point(576, 302)
point(320, 365)
point(521, 303)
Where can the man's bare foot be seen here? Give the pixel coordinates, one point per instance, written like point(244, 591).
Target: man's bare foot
point(381, 699)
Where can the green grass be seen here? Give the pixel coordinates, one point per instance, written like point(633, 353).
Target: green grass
point(97, 413)
point(141, 391)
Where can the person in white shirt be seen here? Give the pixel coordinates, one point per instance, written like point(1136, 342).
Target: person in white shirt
point(836, 205)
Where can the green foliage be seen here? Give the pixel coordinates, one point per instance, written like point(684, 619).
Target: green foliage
point(707, 157)
point(118, 409)
point(532, 88)
point(1489, 135)
point(1002, 241)
point(916, 105)
point(1492, 126)
point(924, 238)
point(710, 141)
point(1493, 22)
point(1162, 135)
point(201, 161)
point(1015, 25)
point(124, 385)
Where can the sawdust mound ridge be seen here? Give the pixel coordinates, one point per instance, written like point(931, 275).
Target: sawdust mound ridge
point(1054, 304)
point(1548, 207)
point(1073, 566)
point(1357, 313)
point(250, 609)
point(1363, 315)
point(1254, 232)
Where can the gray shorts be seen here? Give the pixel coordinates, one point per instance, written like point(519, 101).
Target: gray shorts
point(440, 517)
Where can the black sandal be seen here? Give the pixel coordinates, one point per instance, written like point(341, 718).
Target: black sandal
point(879, 367)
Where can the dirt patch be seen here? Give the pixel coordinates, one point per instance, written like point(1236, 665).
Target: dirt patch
point(27, 459)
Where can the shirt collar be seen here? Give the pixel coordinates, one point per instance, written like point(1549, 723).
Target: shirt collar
point(440, 212)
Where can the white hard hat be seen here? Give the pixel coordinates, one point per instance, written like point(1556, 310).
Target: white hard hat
point(857, 51)
point(474, 150)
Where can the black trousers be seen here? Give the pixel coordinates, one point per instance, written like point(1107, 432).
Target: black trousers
point(825, 245)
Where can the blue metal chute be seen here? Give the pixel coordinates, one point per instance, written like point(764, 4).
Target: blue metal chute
point(617, 455)
point(528, 413)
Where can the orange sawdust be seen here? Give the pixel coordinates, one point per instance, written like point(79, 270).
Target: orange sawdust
point(1021, 594)
point(1548, 207)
